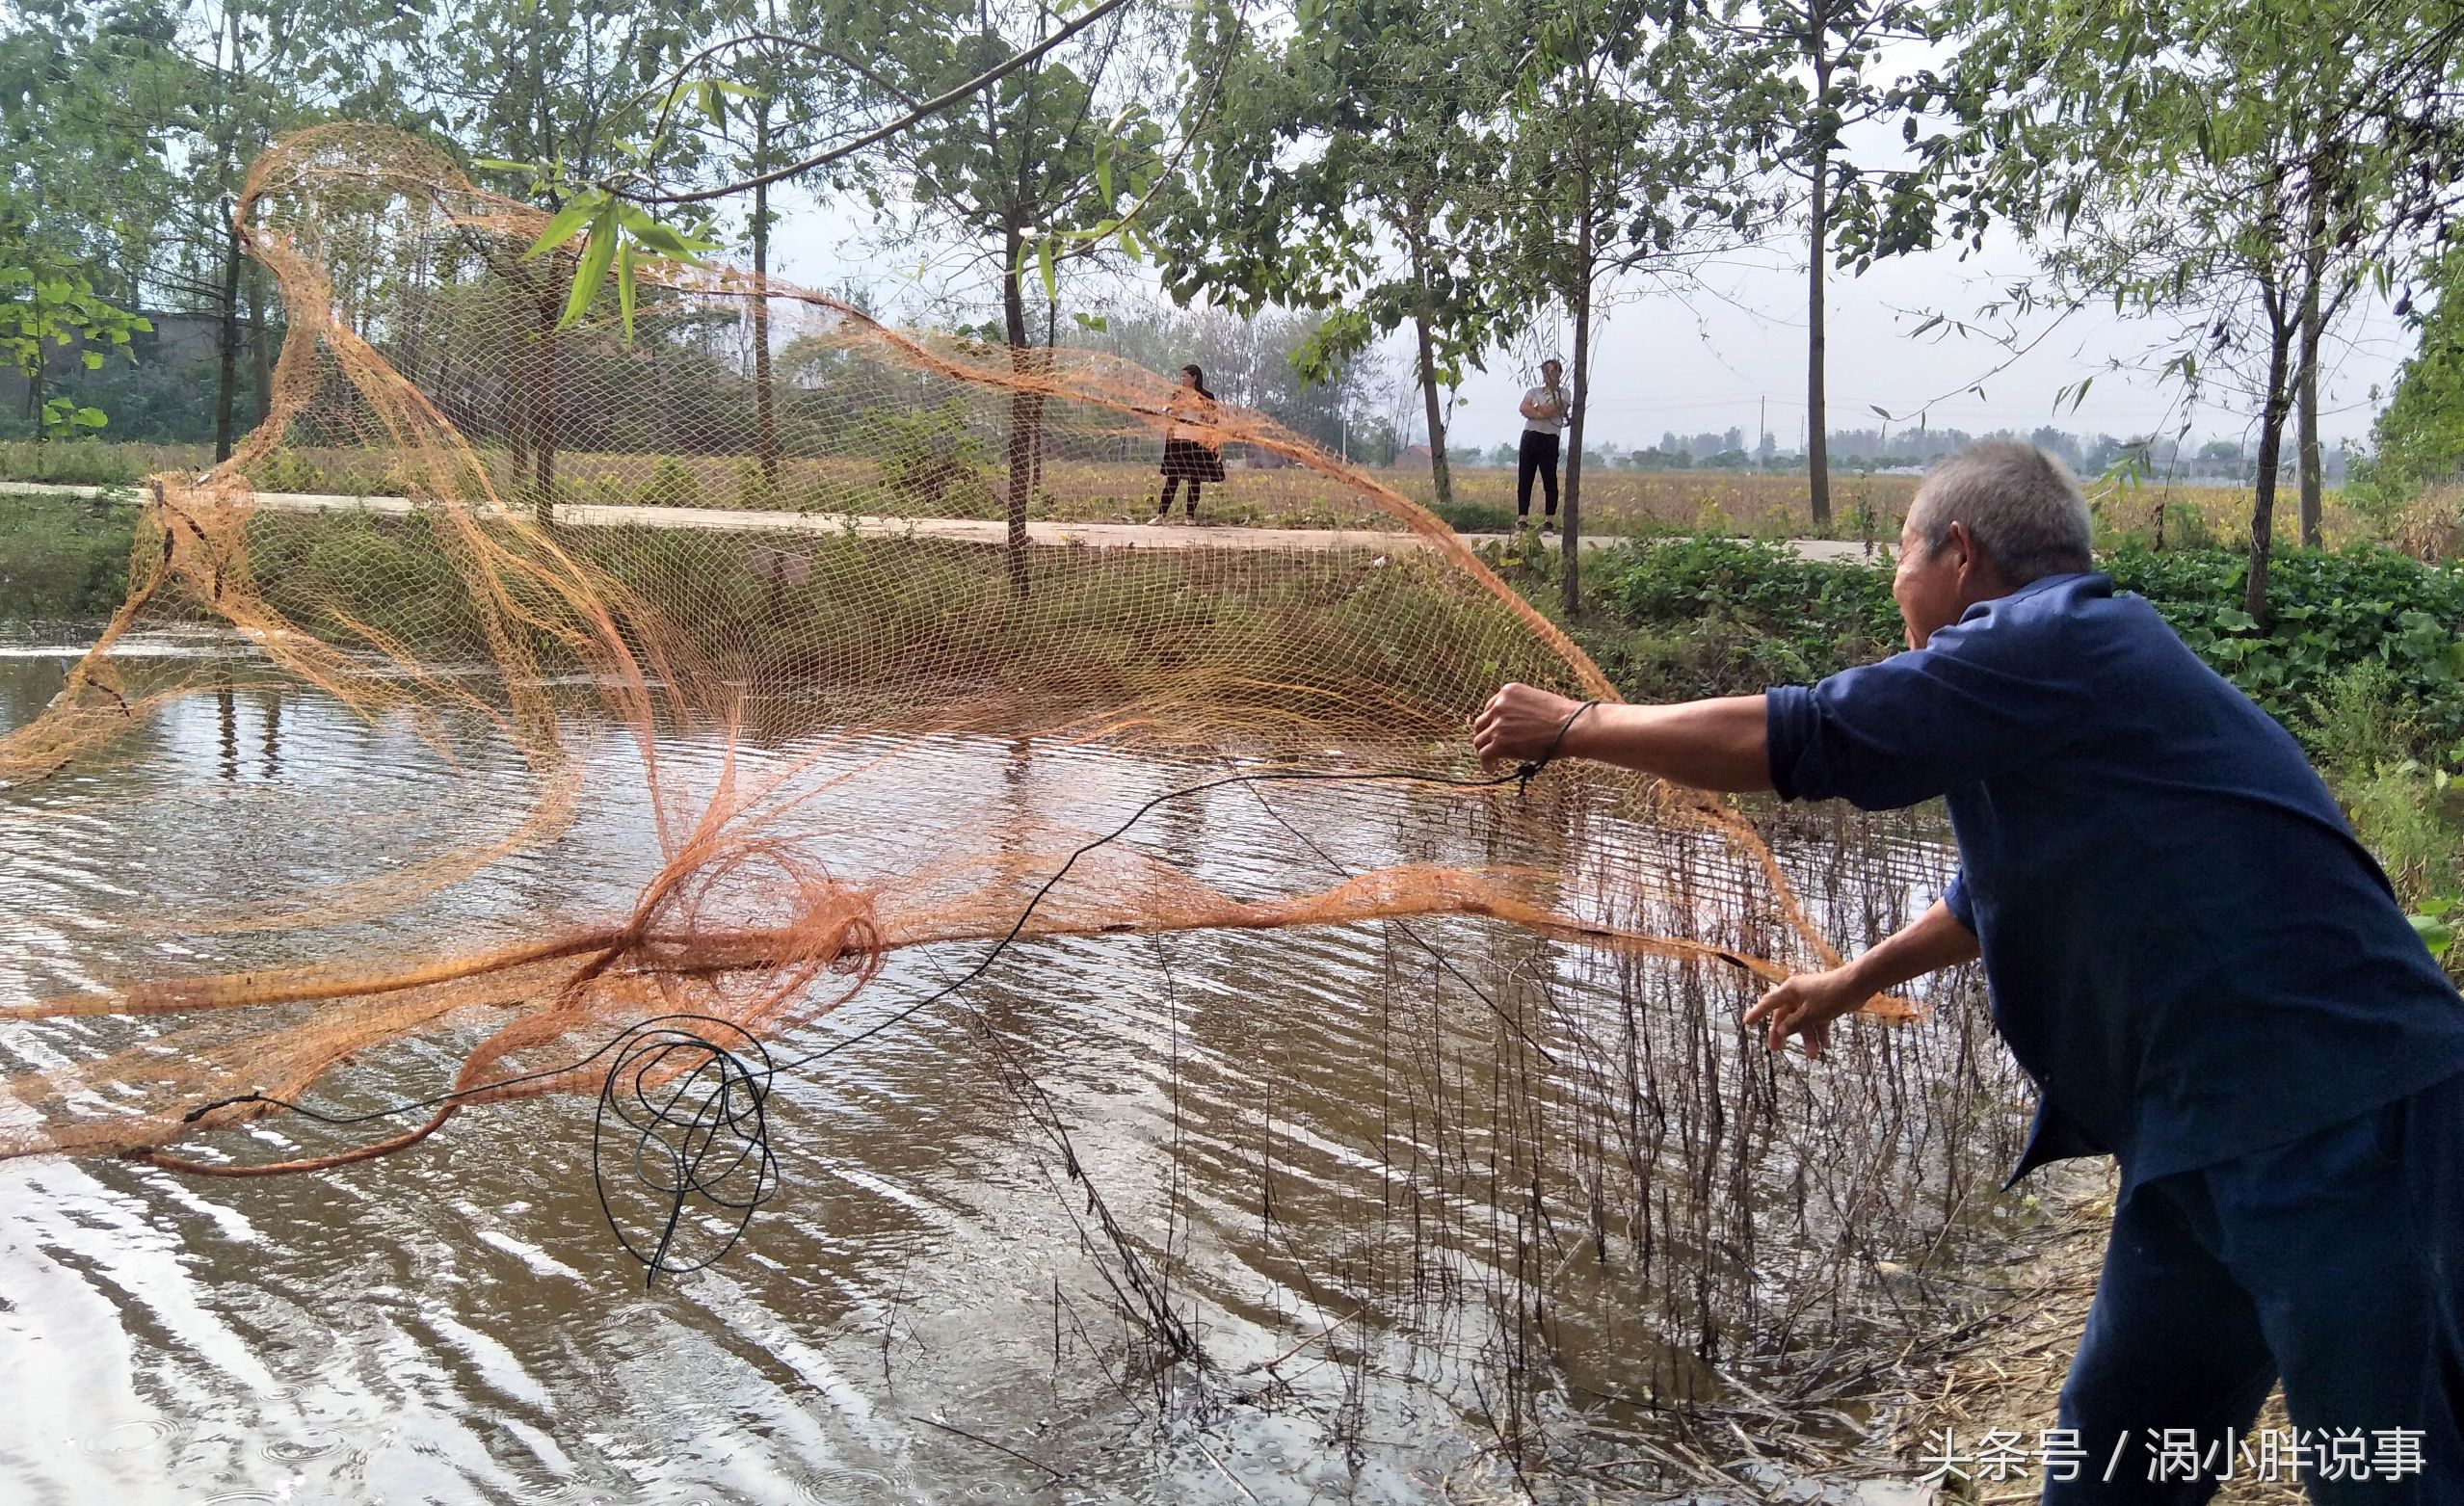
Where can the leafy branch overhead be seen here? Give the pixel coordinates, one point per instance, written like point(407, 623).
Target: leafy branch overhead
point(616, 235)
point(615, 217)
point(44, 308)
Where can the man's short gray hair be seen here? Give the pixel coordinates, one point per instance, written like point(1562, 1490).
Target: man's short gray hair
point(2020, 504)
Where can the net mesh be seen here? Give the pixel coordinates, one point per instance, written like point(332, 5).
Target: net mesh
point(761, 523)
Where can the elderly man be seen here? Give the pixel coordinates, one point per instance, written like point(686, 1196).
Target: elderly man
point(2205, 974)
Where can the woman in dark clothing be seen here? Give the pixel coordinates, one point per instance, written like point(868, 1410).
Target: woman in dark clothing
point(1190, 454)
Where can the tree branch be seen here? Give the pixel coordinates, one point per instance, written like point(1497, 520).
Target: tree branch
point(917, 116)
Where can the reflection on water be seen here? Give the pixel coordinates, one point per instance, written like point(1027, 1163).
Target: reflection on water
point(1435, 1202)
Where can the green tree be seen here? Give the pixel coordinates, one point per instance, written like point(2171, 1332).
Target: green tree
point(787, 93)
point(88, 96)
point(2418, 437)
point(1061, 143)
point(2182, 158)
point(45, 306)
point(544, 97)
point(1639, 133)
point(1352, 167)
point(1832, 49)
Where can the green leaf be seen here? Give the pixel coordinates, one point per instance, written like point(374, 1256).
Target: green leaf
point(93, 360)
point(2435, 933)
point(1043, 264)
point(661, 240)
point(575, 214)
point(596, 258)
point(625, 286)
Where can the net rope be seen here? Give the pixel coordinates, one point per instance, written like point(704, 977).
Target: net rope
point(713, 592)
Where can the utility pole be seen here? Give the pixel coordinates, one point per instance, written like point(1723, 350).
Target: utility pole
point(1762, 427)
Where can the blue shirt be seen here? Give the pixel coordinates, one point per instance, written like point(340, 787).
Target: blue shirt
point(2184, 945)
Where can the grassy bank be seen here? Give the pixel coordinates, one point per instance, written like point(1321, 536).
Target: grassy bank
point(63, 560)
point(892, 621)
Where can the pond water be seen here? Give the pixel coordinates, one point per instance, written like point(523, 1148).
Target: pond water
point(1444, 1211)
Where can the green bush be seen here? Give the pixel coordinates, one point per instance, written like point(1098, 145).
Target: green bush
point(63, 560)
point(756, 489)
point(1716, 616)
point(672, 483)
point(934, 463)
point(2332, 612)
point(1817, 617)
point(283, 471)
point(1474, 518)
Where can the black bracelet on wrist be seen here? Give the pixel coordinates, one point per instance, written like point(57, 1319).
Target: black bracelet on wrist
point(1524, 773)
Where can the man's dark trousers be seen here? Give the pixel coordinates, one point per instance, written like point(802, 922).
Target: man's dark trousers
point(2336, 1262)
point(1538, 458)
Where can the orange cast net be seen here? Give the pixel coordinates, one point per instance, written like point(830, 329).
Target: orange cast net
point(710, 595)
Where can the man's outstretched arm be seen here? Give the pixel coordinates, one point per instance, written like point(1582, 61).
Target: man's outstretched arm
point(1716, 745)
point(1720, 744)
point(1806, 1004)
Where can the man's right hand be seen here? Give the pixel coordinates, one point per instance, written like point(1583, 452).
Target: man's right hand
point(1519, 723)
point(1806, 1005)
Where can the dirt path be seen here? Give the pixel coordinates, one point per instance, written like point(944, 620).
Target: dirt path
point(963, 530)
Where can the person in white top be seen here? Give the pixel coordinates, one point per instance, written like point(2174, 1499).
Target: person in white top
point(1544, 418)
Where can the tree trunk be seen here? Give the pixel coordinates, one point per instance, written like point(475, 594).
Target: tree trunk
point(1441, 474)
point(542, 415)
point(260, 354)
point(1442, 479)
point(226, 381)
point(765, 413)
point(1817, 439)
point(1570, 507)
point(2314, 271)
point(1026, 411)
point(2272, 439)
point(517, 412)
